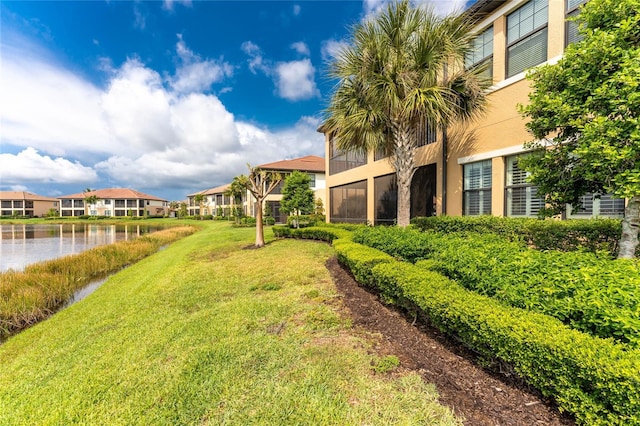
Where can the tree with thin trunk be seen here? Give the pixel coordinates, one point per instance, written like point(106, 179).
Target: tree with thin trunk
point(235, 191)
point(260, 183)
point(297, 196)
point(403, 70)
point(585, 112)
point(199, 199)
point(90, 198)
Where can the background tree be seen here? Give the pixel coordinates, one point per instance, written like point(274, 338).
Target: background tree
point(260, 183)
point(402, 69)
point(182, 212)
point(89, 198)
point(235, 191)
point(199, 199)
point(297, 195)
point(318, 211)
point(585, 112)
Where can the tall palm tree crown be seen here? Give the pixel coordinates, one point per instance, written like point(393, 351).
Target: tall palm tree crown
point(403, 68)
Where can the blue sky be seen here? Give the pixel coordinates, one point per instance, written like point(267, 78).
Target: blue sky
point(166, 97)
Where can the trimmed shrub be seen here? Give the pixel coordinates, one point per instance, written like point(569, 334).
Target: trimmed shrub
point(321, 233)
point(549, 234)
point(596, 380)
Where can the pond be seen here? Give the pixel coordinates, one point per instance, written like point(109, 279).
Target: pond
point(23, 244)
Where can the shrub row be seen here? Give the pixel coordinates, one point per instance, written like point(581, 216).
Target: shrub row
point(588, 292)
point(596, 380)
point(548, 234)
point(321, 233)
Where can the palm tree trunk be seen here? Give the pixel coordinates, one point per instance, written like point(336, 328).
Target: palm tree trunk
point(630, 224)
point(259, 227)
point(404, 164)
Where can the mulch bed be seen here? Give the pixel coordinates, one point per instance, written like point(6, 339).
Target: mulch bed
point(479, 396)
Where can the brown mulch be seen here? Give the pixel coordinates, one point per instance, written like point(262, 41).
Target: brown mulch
point(479, 396)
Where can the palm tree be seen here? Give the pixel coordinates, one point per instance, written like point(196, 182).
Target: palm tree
point(235, 191)
point(90, 199)
point(199, 199)
point(403, 69)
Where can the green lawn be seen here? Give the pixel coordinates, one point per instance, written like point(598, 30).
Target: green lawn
point(205, 332)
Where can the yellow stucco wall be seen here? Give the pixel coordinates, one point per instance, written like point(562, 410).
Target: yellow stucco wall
point(499, 133)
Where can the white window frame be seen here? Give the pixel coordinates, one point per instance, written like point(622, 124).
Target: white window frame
point(539, 29)
point(479, 185)
point(533, 203)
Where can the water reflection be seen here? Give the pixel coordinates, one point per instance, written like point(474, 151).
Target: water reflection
point(23, 244)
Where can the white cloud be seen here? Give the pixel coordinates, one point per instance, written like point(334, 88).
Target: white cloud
point(195, 74)
point(168, 4)
point(140, 19)
point(30, 166)
point(441, 7)
point(49, 108)
point(296, 9)
point(256, 59)
point(295, 80)
point(139, 131)
point(331, 48)
point(301, 48)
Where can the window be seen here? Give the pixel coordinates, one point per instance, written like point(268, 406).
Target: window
point(476, 193)
point(67, 203)
point(28, 204)
point(107, 212)
point(78, 203)
point(107, 202)
point(594, 206)
point(119, 203)
point(131, 203)
point(341, 161)
point(427, 134)
point(482, 53)
point(312, 180)
point(527, 36)
point(573, 10)
point(6, 204)
point(349, 202)
point(17, 204)
point(522, 198)
point(386, 199)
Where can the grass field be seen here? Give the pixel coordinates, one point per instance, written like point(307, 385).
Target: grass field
point(208, 332)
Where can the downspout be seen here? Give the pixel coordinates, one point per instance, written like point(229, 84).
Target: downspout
point(444, 170)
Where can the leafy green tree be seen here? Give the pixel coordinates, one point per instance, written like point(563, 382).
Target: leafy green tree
point(199, 199)
point(235, 191)
point(297, 195)
point(585, 113)
point(403, 69)
point(182, 212)
point(260, 183)
point(318, 211)
point(90, 198)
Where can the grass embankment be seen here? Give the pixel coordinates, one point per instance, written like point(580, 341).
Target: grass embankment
point(33, 294)
point(205, 332)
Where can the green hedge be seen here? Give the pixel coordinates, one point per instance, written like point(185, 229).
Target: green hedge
point(322, 233)
point(548, 234)
point(591, 293)
point(594, 379)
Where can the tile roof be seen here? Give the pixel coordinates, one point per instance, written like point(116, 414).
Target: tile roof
point(114, 193)
point(310, 163)
point(217, 190)
point(23, 195)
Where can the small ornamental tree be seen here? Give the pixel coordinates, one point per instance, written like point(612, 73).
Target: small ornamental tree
point(260, 183)
point(90, 199)
point(199, 199)
point(297, 195)
point(235, 190)
point(585, 113)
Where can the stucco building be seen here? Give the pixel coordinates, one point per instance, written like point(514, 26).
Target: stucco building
point(21, 203)
point(118, 202)
point(475, 170)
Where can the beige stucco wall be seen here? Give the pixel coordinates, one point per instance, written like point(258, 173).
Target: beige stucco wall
point(499, 133)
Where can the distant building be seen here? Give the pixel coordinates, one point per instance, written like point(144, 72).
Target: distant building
point(21, 203)
point(118, 202)
point(313, 165)
point(215, 203)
